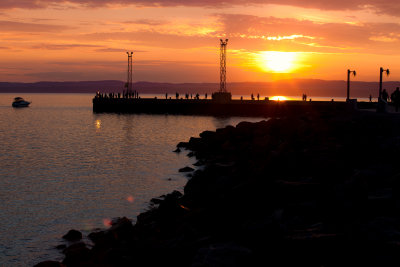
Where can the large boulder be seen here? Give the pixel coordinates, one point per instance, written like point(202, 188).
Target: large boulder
point(224, 254)
point(49, 264)
point(77, 254)
point(186, 169)
point(73, 235)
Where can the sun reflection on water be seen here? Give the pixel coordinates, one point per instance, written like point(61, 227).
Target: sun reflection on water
point(279, 98)
point(97, 123)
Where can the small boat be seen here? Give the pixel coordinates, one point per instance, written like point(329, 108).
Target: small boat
point(19, 102)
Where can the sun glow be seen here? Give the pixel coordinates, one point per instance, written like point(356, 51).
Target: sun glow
point(279, 62)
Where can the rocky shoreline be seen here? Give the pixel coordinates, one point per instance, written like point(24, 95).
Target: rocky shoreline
point(314, 189)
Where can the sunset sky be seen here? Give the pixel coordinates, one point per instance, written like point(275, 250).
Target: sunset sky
point(178, 41)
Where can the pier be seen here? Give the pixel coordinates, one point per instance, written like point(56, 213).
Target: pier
point(254, 108)
point(221, 102)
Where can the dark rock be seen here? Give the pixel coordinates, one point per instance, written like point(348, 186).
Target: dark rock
point(225, 132)
point(195, 141)
point(198, 163)
point(120, 256)
point(182, 144)
point(73, 235)
point(60, 247)
point(170, 199)
point(50, 264)
point(223, 255)
point(76, 254)
point(156, 200)
point(307, 190)
point(207, 135)
point(74, 247)
point(121, 229)
point(99, 237)
point(186, 169)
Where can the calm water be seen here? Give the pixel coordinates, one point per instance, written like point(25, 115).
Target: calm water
point(63, 167)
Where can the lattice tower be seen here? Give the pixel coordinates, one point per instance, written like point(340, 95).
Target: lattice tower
point(129, 81)
point(222, 74)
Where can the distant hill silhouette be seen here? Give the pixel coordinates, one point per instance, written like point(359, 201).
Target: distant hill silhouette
point(61, 87)
point(295, 87)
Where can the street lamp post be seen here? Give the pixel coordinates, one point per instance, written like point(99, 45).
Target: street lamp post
point(348, 82)
point(380, 81)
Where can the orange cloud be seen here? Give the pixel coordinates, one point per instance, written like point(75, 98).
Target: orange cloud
point(181, 38)
point(62, 46)
point(319, 37)
point(12, 26)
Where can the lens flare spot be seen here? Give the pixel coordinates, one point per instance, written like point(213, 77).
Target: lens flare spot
point(130, 199)
point(107, 222)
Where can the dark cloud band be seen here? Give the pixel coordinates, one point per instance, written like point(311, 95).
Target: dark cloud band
point(391, 7)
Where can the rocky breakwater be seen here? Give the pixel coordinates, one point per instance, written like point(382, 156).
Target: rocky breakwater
point(310, 190)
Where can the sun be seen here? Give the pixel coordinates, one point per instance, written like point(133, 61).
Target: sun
point(279, 62)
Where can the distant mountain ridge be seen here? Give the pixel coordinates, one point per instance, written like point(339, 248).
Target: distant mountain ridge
point(295, 87)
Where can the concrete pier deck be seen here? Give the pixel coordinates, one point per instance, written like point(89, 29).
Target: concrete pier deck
point(256, 108)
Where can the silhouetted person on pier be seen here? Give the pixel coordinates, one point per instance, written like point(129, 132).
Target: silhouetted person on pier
point(252, 97)
point(385, 95)
point(258, 96)
point(177, 95)
point(206, 95)
point(370, 98)
point(241, 98)
point(166, 95)
point(395, 98)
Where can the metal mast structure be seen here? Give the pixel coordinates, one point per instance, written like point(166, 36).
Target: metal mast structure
point(222, 59)
point(129, 81)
